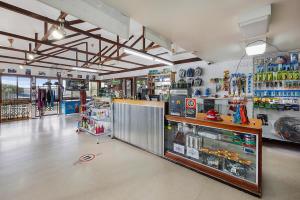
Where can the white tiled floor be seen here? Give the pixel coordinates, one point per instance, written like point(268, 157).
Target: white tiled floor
point(38, 161)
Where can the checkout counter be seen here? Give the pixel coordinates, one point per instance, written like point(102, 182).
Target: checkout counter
point(140, 123)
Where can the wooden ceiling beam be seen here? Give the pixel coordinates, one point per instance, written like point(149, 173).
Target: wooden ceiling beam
point(44, 42)
point(41, 66)
point(110, 55)
point(73, 22)
point(64, 44)
point(57, 52)
point(61, 46)
point(49, 31)
point(44, 62)
point(74, 35)
point(189, 60)
point(58, 57)
point(123, 55)
point(98, 57)
point(71, 28)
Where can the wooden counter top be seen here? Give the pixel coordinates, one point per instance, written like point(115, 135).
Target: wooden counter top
point(140, 102)
point(255, 125)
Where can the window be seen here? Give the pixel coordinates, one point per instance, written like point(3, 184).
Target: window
point(23, 88)
point(9, 87)
point(40, 83)
point(70, 94)
point(93, 89)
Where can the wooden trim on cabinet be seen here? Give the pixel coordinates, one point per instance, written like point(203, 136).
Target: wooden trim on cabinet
point(254, 127)
point(243, 184)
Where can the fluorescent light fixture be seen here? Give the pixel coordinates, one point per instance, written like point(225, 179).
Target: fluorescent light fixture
point(148, 57)
point(163, 61)
point(58, 33)
point(256, 48)
point(30, 56)
point(138, 54)
point(21, 67)
point(85, 69)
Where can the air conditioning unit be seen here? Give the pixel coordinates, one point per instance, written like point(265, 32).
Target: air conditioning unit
point(256, 22)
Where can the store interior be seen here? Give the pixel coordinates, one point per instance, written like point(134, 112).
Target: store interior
point(107, 99)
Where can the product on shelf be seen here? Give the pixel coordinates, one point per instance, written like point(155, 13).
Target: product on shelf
point(96, 119)
point(213, 115)
point(226, 83)
point(198, 71)
point(288, 128)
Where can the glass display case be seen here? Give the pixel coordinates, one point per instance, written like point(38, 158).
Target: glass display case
point(229, 152)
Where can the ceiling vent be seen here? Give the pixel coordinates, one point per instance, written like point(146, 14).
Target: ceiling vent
point(255, 22)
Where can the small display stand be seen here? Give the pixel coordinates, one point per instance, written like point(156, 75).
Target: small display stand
point(96, 118)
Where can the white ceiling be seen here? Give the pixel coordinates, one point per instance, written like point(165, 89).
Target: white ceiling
point(210, 27)
point(26, 26)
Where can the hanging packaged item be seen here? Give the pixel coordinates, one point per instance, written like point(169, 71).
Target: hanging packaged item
point(198, 71)
point(190, 72)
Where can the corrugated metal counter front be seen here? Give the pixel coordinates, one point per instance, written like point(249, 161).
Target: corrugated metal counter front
point(140, 123)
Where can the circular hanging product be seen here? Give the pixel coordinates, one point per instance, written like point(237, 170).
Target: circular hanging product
point(181, 83)
point(198, 71)
point(197, 82)
point(197, 93)
point(182, 73)
point(190, 82)
point(190, 72)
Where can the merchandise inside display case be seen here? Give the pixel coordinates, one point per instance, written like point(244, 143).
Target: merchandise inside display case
point(232, 155)
point(230, 152)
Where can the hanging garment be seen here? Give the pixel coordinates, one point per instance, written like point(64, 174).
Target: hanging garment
point(52, 93)
point(41, 98)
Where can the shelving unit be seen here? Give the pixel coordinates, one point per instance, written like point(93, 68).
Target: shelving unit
point(277, 95)
point(159, 84)
point(97, 118)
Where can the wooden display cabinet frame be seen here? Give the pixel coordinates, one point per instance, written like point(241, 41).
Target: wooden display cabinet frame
point(253, 128)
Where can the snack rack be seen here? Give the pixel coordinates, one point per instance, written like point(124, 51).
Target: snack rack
point(96, 117)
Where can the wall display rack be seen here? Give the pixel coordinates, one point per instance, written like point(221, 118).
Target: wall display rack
point(160, 84)
point(277, 95)
point(226, 151)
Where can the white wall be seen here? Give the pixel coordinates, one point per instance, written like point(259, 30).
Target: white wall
point(215, 70)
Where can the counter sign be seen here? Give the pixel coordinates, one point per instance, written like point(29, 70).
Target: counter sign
point(191, 107)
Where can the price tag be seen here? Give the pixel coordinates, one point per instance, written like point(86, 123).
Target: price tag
point(178, 148)
point(191, 152)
